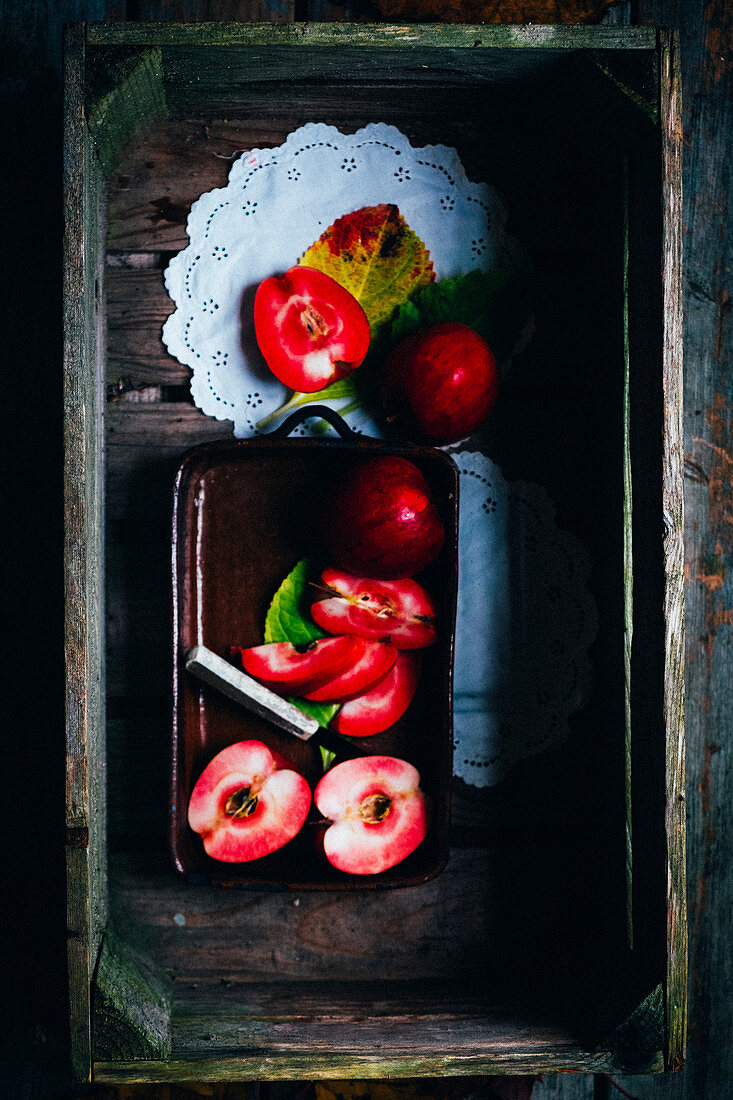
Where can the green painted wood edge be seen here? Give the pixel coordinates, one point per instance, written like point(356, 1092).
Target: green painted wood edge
point(318, 1065)
point(458, 35)
point(86, 875)
point(672, 503)
point(628, 510)
point(131, 1005)
point(124, 92)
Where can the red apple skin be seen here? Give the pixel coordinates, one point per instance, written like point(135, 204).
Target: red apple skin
point(400, 611)
point(440, 383)
point(284, 669)
point(384, 703)
point(281, 798)
point(310, 329)
point(375, 662)
point(380, 520)
point(379, 813)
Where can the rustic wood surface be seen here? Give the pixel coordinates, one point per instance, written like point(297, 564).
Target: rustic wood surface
point(34, 1061)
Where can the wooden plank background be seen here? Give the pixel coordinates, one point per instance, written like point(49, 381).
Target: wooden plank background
point(34, 1056)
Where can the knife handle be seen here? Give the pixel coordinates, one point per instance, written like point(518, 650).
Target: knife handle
point(240, 687)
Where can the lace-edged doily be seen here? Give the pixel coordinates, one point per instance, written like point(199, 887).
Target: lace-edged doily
point(276, 204)
point(525, 622)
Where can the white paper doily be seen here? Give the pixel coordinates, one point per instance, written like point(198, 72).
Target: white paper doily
point(276, 204)
point(525, 622)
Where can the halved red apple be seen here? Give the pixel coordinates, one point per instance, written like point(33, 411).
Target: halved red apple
point(375, 662)
point(283, 668)
point(378, 810)
point(401, 611)
point(310, 329)
point(248, 802)
point(381, 706)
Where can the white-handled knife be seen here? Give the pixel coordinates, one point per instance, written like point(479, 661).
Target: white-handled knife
point(213, 670)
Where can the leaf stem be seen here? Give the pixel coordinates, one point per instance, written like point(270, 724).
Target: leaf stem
point(296, 399)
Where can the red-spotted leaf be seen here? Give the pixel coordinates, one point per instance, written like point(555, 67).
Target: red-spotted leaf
point(375, 255)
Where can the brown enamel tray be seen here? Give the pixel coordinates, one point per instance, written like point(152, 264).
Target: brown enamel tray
point(244, 514)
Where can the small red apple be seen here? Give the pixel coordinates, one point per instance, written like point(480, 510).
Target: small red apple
point(375, 662)
point(440, 383)
point(378, 811)
point(380, 519)
point(401, 611)
point(310, 329)
point(283, 668)
point(248, 802)
point(380, 706)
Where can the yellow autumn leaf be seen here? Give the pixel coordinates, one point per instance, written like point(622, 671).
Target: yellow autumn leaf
point(376, 256)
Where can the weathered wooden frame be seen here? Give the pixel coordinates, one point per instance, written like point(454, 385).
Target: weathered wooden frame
point(120, 1002)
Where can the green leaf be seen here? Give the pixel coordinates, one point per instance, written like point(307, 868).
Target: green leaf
point(288, 620)
point(493, 303)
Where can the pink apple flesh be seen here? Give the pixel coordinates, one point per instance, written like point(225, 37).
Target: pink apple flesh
point(283, 668)
point(375, 662)
point(310, 329)
point(400, 611)
point(378, 811)
point(382, 705)
point(247, 802)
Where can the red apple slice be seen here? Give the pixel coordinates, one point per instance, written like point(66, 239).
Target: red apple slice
point(381, 706)
point(247, 802)
point(378, 811)
point(375, 662)
point(283, 668)
point(310, 329)
point(399, 610)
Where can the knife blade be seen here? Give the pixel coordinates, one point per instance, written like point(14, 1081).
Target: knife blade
point(213, 670)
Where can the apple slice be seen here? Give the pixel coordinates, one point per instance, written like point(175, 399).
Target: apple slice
point(380, 707)
point(374, 663)
point(378, 811)
point(283, 668)
point(248, 802)
point(401, 610)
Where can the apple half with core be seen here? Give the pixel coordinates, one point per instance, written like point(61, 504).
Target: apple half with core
point(384, 703)
point(248, 802)
point(440, 383)
point(401, 610)
point(310, 329)
point(380, 520)
point(378, 812)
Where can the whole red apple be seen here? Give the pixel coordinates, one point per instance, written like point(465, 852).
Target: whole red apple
point(378, 810)
point(401, 611)
point(440, 383)
point(380, 519)
point(310, 329)
point(247, 802)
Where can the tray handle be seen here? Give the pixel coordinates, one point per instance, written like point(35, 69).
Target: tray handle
point(308, 412)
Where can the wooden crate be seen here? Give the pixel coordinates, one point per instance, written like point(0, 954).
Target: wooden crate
point(555, 938)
